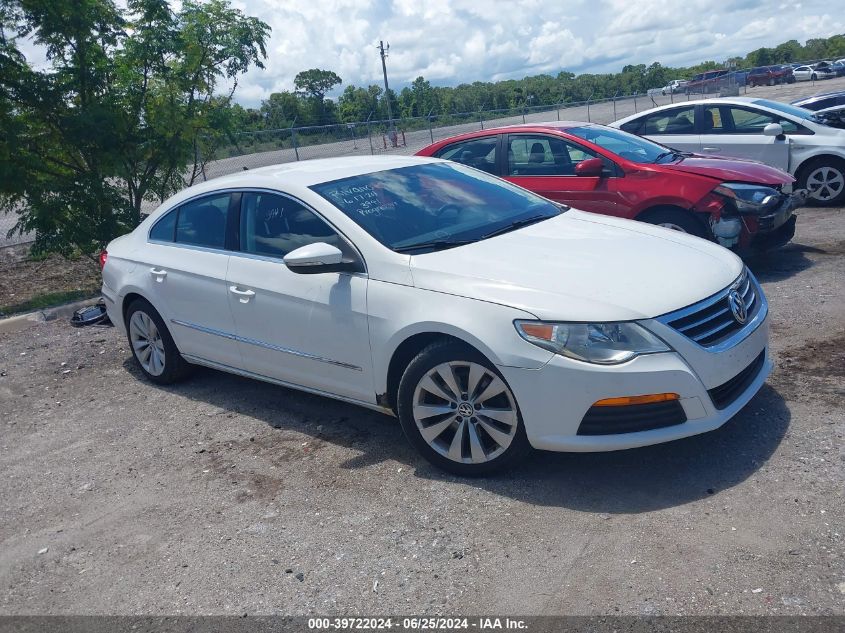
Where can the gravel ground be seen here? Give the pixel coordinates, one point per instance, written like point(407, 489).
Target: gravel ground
point(224, 495)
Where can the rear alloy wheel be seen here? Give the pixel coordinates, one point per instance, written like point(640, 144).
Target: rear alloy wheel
point(152, 346)
point(457, 410)
point(824, 179)
point(675, 219)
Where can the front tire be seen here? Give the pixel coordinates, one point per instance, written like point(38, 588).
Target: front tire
point(152, 347)
point(824, 178)
point(675, 219)
point(457, 410)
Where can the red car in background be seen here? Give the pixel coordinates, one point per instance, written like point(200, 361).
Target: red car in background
point(740, 204)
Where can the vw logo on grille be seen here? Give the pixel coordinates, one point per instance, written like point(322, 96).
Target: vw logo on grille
point(465, 409)
point(737, 307)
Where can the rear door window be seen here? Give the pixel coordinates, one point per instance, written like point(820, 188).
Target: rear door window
point(202, 222)
point(672, 121)
point(480, 153)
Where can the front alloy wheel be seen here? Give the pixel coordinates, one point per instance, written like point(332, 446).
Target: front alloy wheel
point(457, 410)
point(465, 412)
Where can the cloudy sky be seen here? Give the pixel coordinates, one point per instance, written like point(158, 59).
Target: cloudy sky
point(456, 41)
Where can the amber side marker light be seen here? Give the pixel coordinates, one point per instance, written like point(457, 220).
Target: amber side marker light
point(626, 400)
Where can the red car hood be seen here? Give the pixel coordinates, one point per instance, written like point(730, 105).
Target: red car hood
point(731, 169)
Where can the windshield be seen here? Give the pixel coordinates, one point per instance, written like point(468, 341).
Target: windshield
point(629, 146)
point(434, 206)
point(801, 113)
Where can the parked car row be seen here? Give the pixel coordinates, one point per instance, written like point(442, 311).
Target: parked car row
point(769, 76)
point(470, 292)
point(819, 70)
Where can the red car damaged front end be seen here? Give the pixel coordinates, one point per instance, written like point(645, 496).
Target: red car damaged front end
point(741, 204)
point(751, 208)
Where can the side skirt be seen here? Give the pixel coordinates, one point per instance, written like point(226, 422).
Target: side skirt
point(196, 360)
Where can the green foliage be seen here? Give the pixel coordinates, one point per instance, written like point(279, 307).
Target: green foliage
point(129, 100)
point(420, 98)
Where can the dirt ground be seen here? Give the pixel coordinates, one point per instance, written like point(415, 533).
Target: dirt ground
point(23, 278)
point(228, 496)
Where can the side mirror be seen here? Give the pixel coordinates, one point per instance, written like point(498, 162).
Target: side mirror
point(315, 258)
point(593, 167)
point(773, 129)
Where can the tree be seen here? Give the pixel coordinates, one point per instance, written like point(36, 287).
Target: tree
point(280, 110)
point(313, 85)
point(128, 102)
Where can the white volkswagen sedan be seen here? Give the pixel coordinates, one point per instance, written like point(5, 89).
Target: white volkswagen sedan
point(785, 136)
point(486, 318)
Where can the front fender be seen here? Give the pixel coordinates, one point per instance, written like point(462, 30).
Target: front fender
point(396, 313)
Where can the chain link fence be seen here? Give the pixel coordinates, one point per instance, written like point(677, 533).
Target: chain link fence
point(406, 135)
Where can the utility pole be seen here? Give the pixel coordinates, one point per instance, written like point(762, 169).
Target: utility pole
point(390, 130)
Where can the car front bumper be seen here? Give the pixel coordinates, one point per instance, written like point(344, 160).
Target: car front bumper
point(555, 399)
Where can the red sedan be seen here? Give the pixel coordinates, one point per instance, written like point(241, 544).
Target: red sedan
point(740, 204)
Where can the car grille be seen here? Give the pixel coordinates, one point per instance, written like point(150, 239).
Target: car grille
point(726, 393)
point(712, 321)
point(631, 418)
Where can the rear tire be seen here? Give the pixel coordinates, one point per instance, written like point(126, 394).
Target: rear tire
point(676, 219)
point(152, 347)
point(824, 178)
point(471, 433)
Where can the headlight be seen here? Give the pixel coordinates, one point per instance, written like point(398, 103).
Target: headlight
point(601, 343)
point(749, 198)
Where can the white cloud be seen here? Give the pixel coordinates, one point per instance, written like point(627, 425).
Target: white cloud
point(461, 41)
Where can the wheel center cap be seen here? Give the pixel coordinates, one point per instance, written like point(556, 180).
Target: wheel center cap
point(465, 409)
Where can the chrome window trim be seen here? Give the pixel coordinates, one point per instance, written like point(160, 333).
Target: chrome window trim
point(193, 247)
point(248, 374)
point(205, 194)
point(241, 253)
point(271, 346)
point(741, 334)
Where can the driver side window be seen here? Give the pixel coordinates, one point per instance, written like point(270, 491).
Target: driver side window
point(543, 156)
point(273, 225)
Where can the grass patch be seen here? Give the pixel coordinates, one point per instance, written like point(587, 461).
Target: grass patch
point(47, 300)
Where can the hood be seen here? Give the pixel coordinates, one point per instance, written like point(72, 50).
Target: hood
point(731, 170)
point(583, 267)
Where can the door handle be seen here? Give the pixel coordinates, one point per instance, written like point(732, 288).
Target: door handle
point(158, 274)
point(244, 295)
point(711, 149)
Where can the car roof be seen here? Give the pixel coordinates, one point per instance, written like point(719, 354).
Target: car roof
point(668, 106)
point(546, 126)
point(295, 177)
point(818, 97)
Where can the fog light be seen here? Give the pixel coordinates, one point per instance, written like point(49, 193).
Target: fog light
point(647, 399)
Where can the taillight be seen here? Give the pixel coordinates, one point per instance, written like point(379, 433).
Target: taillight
point(102, 259)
